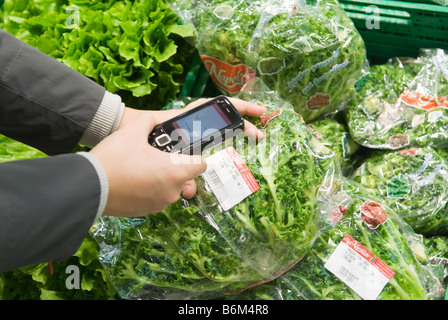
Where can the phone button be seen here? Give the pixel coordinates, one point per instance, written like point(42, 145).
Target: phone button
point(163, 140)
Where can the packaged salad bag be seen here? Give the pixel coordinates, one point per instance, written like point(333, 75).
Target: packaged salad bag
point(306, 50)
point(403, 104)
point(413, 182)
point(370, 253)
point(253, 218)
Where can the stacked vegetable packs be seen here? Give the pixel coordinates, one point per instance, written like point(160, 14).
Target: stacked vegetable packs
point(307, 51)
point(195, 248)
point(370, 226)
point(403, 104)
point(414, 182)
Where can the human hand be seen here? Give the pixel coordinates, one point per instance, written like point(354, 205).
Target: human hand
point(143, 179)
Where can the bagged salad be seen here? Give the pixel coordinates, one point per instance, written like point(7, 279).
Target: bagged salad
point(306, 50)
point(437, 252)
point(370, 253)
point(413, 182)
point(335, 136)
point(213, 244)
point(403, 104)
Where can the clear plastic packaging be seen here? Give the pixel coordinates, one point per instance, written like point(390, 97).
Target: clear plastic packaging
point(199, 249)
point(306, 50)
point(335, 136)
point(389, 239)
point(413, 182)
point(403, 104)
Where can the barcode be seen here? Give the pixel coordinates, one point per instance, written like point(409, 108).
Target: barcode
point(213, 179)
point(347, 275)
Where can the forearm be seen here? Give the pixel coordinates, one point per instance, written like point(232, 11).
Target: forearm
point(44, 103)
point(47, 207)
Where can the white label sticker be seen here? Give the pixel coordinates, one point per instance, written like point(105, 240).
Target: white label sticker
point(359, 269)
point(229, 178)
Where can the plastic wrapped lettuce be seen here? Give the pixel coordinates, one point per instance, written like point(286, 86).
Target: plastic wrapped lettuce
point(308, 51)
point(215, 244)
point(437, 252)
point(335, 136)
point(413, 182)
point(370, 253)
point(403, 104)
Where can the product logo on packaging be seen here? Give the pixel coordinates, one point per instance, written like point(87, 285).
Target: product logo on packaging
point(422, 101)
point(229, 77)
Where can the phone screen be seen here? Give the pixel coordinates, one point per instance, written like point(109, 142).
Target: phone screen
point(202, 123)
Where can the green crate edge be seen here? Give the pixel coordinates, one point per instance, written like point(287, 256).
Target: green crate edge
point(405, 27)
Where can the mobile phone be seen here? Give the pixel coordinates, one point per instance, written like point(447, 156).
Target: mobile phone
point(198, 129)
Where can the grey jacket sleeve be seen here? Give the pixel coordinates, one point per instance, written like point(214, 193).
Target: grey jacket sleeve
point(48, 205)
point(43, 103)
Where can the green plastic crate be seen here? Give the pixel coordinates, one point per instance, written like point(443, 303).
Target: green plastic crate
point(404, 27)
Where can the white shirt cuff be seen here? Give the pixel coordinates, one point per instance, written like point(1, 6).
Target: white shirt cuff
point(105, 121)
point(103, 182)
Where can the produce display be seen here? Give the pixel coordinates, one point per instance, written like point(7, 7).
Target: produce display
point(375, 229)
point(335, 136)
point(307, 51)
point(133, 48)
point(198, 247)
point(437, 252)
point(345, 198)
point(403, 104)
point(413, 182)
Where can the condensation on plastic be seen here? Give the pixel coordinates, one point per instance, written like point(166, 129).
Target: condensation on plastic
point(307, 51)
point(195, 249)
point(413, 182)
point(380, 119)
point(392, 241)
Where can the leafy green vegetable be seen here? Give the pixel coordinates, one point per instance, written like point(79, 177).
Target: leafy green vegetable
point(437, 252)
point(11, 150)
point(403, 104)
point(335, 136)
point(308, 51)
point(45, 282)
point(392, 241)
point(194, 248)
point(413, 183)
point(133, 48)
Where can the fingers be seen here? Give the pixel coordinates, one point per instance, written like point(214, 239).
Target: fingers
point(189, 190)
point(252, 131)
point(248, 108)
